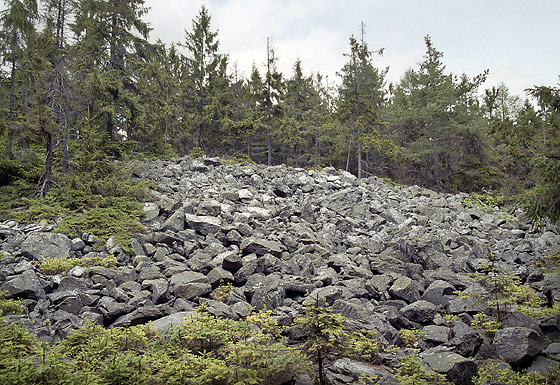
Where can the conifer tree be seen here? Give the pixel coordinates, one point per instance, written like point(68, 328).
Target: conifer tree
point(361, 94)
point(18, 25)
point(207, 73)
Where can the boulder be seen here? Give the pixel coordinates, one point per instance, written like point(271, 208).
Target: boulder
point(42, 245)
point(404, 288)
point(261, 247)
point(25, 285)
point(458, 369)
point(204, 224)
point(346, 370)
point(518, 345)
point(421, 311)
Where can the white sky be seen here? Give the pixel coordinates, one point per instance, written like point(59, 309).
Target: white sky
point(517, 40)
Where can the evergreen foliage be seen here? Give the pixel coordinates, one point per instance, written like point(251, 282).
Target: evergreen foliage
point(83, 86)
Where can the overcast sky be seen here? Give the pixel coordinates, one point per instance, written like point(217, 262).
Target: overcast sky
point(517, 40)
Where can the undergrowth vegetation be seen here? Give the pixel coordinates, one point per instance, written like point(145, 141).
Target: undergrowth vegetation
point(60, 265)
point(98, 198)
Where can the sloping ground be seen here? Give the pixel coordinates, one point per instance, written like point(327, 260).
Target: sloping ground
point(388, 258)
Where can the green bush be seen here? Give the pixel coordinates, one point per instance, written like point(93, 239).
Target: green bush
point(9, 305)
point(59, 265)
point(411, 371)
point(490, 372)
point(205, 350)
point(9, 171)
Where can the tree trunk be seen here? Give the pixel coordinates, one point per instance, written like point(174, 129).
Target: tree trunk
point(269, 148)
point(436, 172)
point(9, 152)
point(48, 166)
point(359, 152)
point(316, 154)
point(447, 174)
point(321, 369)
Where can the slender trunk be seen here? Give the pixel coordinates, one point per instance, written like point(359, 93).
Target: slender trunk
point(316, 154)
point(359, 152)
point(321, 368)
point(348, 157)
point(9, 152)
point(269, 148)
point(436, 172)
point(427, 171)
point(48, 165)
point(447, 175)
point(65, 152)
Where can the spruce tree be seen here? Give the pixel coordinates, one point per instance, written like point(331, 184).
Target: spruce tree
point(361, 95)
point(207, 74)
point(18, 25)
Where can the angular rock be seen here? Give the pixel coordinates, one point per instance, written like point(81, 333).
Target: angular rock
point(204, 224)
point(176, 222)
point(261, 247)
point(518, 345)
point(354, 370)
point(41, 245)
point(139, 316)
point(457, 368)
point(25, 285)
point(421, 311)
point(172, 320)
point(404, 288)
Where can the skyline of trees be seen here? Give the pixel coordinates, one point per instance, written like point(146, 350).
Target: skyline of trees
point(83, 83)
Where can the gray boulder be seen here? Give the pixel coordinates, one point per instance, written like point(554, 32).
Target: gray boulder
point(25, 285)
point(517, 345)
point(261, 247)
point(346, 370)
point(41, 245)
point(404, 288)
point(421, 311)
point(204, 224)
point(458, 369)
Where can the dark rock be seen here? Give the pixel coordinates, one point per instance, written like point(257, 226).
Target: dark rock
point(203, 224)
point(354, 370)
point(172, 320)
point(176, 222)
point(25, 285)
point(542, 365)
point(466, 340)
point(439, 293)
point(421, 311)
point(41, 245)
point(518, 345)
point(139, 316)
point(404, 288)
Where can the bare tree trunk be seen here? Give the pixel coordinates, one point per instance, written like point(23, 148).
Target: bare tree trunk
point(447, 174)
point(436, 172)
point(9, 152)
point(48, 166)
point(359, 152)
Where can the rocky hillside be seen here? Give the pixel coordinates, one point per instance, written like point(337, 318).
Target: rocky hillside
point(389, 258)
